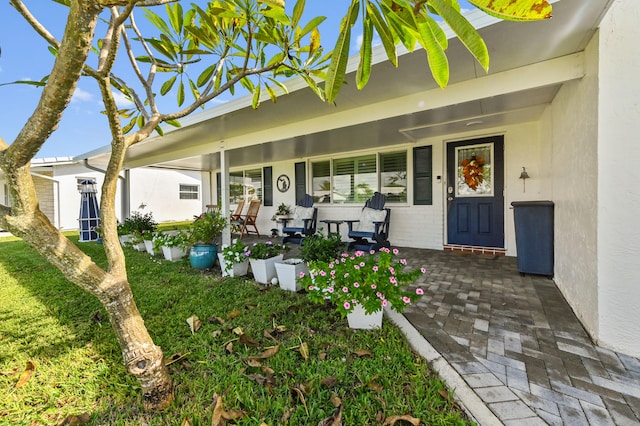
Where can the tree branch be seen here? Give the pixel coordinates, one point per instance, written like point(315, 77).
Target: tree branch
point(35, 24)
point(66, 72)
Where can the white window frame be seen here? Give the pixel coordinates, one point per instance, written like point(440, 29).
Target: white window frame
point(185, 189)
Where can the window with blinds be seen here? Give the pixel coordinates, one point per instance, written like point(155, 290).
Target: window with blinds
point(393, 176)
point(321, 181)
point(353, 180)
point(189, 192)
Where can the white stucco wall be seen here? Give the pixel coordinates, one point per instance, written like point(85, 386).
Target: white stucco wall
point(159, 191)
point(571, 126)
point(618, 189)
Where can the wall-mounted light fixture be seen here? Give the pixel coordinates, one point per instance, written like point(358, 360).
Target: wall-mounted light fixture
point(524, 176)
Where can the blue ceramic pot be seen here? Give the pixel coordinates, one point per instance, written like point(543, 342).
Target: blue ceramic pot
point(203, 256)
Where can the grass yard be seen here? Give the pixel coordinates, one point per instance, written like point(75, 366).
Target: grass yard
point(78, 367)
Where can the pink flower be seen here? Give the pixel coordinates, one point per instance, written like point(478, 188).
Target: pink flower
point(356, 285)
point(405, 299)
point(372, 252)
point(384, 303)
point(361, 264)
point(347, 306)
point(375, 269)
point(395, 251)
point(331, 265)
point(333, 273)
point(393, 280)
point(301, 275)
point(419, 291)
point(345, 289)
point(311, 288)
point(356, 266)
point(393, 271)
point(346, 275)
point(323, 273)
point(423, 270)
point(330, 289)
point(403, 261)
point(373, 286)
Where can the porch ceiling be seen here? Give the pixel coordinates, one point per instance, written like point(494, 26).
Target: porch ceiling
point(299, 125)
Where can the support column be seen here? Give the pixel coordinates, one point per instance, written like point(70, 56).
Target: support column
point(224, 188)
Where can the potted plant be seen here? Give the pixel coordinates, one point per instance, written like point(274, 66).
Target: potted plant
point(316, 247)
point(234, 259)
point(263, 257)
point(203, 235)
point(138, 226)
point(283, 211)
point(361, 284)
point(173, 244)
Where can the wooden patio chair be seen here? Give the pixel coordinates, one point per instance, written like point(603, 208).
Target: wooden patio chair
point(303, 223)
point(371, 231)
point(249, 219)
point(238, 213)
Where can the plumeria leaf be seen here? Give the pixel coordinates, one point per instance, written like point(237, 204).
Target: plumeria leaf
point(194, 323)
point(521, 10)
point(25, 376)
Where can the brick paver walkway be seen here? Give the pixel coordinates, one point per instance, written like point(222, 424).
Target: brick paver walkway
point(518, 345)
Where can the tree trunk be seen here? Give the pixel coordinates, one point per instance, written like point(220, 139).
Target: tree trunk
point(141, 356)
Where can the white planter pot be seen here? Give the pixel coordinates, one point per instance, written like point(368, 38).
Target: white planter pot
point(238, 269)
point(288, 272)
point(360, 320)
point(264, 270)
point(148, 245)
point(139, 246)
point(124, 239)
point(173, 254)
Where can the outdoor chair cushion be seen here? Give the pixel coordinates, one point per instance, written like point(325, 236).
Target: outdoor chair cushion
point(367, 219)
point(299, 214)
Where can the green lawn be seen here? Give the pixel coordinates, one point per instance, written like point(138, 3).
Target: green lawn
point(78, 366)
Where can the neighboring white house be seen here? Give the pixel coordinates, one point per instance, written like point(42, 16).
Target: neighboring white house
point(562, 99)
point(170, 195)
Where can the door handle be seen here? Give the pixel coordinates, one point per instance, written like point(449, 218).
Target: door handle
point(449, 198)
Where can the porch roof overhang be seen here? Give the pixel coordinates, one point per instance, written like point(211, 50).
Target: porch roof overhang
point(529, 64)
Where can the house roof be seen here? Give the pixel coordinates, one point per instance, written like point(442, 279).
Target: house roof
point(529, 63)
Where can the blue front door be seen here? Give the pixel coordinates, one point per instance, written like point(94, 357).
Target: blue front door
point(475, 199)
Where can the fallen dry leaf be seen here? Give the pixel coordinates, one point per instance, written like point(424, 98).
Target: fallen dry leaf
point(335, 400)
point(375, 386)
point(248, 341)
point(304, 351)
point(301, 396)
point(234, 314)
point(72, 419)
point(286, 416)
point(194, 323)
point(333, 420)
point(329, 381)
point(362, 352)
point(254, 363)
point(25, 376)
point(217, 419)
point(406, 418)
point(216, 333)
point(175, 358)
point(186, 422)
point(229, 347)
point(443, 393)
point(322, 356)
point(238, 331)
point(267, 354)
point(268, 335)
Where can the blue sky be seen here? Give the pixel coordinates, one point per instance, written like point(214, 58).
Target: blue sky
point(83, 127)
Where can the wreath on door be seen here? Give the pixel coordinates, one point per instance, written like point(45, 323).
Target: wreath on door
point(473, 171)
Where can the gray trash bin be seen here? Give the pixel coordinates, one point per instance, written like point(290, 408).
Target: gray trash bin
point(534, 236)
